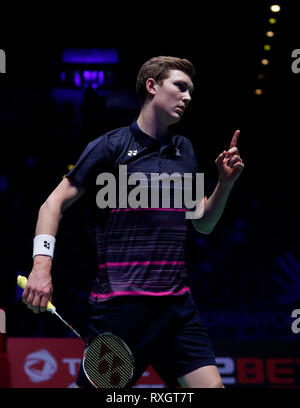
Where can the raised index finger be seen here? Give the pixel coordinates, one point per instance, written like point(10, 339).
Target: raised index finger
point(235, 139)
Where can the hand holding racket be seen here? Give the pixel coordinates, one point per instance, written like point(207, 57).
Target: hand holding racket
point(107, 360)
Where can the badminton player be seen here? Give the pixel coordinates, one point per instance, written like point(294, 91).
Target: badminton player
point(141, 292)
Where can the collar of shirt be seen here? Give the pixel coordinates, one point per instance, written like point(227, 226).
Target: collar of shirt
point(146, 140)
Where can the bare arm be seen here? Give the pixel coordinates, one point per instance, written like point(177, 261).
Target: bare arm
point(213, 208)
point(39, 287)
point(230, 165)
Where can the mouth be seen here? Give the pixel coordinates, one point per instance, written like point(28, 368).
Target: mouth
point(180, 108)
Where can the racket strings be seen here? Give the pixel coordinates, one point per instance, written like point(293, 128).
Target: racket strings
point(108, 362)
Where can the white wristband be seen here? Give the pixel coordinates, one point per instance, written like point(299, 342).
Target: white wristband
point(43, 244)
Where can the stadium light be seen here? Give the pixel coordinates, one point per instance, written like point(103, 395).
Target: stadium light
point(272, 20)
point(265, 61)
point(270, 33)
point(275, 8)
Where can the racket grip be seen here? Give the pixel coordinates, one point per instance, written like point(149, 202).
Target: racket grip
point(22, 282)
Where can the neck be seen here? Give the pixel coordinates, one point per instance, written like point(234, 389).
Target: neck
point(150, 124)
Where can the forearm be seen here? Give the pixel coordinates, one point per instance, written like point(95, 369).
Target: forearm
point(213, 208)
point(39, 288)
point(48, 219)
point(47, 223)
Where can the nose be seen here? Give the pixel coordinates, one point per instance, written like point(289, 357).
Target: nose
point(187, 97)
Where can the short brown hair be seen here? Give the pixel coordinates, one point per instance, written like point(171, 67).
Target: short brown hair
point(158, 68)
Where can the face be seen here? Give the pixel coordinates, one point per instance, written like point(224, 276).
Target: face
point(172, 96)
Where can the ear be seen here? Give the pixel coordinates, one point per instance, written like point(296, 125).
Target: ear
point(151, 86)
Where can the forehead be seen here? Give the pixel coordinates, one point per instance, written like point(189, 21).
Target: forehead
point(177, 75)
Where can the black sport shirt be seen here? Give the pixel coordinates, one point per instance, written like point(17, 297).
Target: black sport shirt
point(141, 251)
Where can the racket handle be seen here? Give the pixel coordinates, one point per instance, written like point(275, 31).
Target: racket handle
point(22, 282)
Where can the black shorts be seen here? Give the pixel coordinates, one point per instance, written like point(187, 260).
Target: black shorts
point(164, 332)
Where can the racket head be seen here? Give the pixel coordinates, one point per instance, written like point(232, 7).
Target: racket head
point(108, 361)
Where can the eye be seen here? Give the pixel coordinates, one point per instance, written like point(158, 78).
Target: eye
point(181, 86)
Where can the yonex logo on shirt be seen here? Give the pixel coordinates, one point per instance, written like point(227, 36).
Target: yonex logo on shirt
point(132, 152)
point(177, 152)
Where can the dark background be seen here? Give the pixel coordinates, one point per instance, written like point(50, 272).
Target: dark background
point(245, 276)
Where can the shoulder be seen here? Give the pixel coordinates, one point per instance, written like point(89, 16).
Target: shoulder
point(112, 137)
point(183, 142)
point(99, 155)
point(110, 142)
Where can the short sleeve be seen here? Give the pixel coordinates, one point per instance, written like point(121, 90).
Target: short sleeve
point(96, 158)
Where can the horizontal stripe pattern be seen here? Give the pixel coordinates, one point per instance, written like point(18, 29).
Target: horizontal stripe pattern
point(148, 209)
point(142, 263)
point(98, 296)
point(141, 252)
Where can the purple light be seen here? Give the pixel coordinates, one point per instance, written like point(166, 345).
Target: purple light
point(90, 56)
point(62, 76)
point(93, 75)
point(100, 77)
point(93, 78)
point(86, 75)
point(77, 78)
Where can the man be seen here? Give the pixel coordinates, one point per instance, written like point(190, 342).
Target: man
point(141, 292)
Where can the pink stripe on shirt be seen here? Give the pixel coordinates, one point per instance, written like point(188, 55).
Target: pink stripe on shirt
point(135, 293)
point(148, 209)
point(134, 263)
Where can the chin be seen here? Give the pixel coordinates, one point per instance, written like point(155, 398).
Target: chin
point(174, 118)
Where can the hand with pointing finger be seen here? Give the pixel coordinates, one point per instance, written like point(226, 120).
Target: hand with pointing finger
point(229, 163)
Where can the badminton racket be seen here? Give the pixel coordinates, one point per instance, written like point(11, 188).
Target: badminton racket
point(107, 360)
